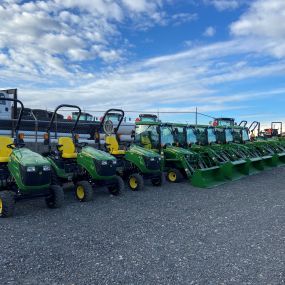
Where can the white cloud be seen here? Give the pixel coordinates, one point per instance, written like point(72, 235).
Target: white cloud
point(264, 21)
point(53, 40)
point(209, 32)
point(222, 5)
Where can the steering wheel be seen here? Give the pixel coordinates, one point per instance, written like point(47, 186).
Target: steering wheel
point(108, 127)
point(11, 146)
point(81, 144)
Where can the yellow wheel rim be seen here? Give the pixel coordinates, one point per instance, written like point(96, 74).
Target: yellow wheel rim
point(133, 183)
point(1, 206)
point(172, 176)
point(80, 192)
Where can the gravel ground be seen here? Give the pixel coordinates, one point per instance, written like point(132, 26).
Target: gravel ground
point(177, 234)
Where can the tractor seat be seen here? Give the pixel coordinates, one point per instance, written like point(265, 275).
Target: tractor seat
point(5, 152)
point(113, 146)
point(146, 142)
point(67, 147)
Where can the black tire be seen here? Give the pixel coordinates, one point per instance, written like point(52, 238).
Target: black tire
point(159, 180)
point(174, 175)
point(136, 182)
point(118, 186)
point(56, 198)
point(54, 178)
point(7, 204)
point(84, 191)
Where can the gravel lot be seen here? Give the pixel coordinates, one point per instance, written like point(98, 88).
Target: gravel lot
point(177, 234)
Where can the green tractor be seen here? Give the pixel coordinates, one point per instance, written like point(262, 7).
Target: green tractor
point(81, 164)
point(270, 150)
point(180, 163)
point(202, 140)
point(24, 174)
point(135, 164)
point(245, 161)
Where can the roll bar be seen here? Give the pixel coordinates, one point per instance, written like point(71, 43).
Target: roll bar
point(55, 113)
point(120, 111)
point(243, 123)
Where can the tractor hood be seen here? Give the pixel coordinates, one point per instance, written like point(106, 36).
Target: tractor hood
point(143, 151)
point(177, 150)
point(96, 154)
point(26, 157)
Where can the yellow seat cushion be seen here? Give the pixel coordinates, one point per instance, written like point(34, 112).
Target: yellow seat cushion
point(67, 147)
point(146, 142)
point(5, 152)
point(113, 145)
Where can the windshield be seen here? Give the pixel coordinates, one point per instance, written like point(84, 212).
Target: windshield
point(191, 137)
point(147, 136)
point(245, 136)
point(229, 135)
point(211, 135)
point(166, 136)
point(225, 123)
point(179, 135)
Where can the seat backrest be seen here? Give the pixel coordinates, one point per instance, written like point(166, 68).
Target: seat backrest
point(146, 142)
point(112, 143)
point(67, 146)
point(5, 152)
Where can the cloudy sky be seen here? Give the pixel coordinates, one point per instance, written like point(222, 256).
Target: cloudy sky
point(227, 57)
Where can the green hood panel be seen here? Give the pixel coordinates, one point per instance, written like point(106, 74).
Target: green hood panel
point(135, 149)
point(96, 154)
point(177, 150)
point(26, 157)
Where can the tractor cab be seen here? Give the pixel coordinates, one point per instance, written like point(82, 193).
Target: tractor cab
point(224, 122)
point(224, 135)
point(83, 116)
point(147, 135)
point(148, 118)
point(206, 135)
point(240, 135)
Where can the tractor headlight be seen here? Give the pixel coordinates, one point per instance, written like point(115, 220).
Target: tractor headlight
point(152, 159)
point(104, 162)
point(114, 162)
point(31, 169)
point(46, 168)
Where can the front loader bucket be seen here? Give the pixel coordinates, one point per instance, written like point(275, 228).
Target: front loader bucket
point(208, 177)
point(270, 161)
point(255, 165)
point(235, 170)
point(281, 159)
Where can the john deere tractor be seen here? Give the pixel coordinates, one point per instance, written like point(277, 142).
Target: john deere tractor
point(81, 164)
point(24, 174)
point(178, 162)
point(135, 164)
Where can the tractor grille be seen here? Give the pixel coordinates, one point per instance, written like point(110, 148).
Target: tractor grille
point(105, 170)
point(152, 163)
point(69, 165)
point(36, 178)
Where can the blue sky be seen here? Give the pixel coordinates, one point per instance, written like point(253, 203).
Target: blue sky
point(227, 57)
